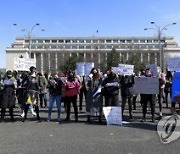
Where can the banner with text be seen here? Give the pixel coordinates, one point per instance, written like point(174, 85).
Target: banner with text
point(23, 64)
point(125, 69)
point(146, 85)
point(113, 115)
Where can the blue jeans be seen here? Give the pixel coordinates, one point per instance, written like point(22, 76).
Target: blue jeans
point(52, 99)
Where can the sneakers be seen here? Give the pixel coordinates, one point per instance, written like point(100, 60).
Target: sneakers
point(34, 113)
point(22, 115)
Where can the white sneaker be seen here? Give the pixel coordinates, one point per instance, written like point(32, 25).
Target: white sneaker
point(34, 113)
point(22, 115)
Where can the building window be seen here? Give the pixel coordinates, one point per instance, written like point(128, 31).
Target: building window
point(142, 41)
point(54, 41)
point(115, 41)
point(74, 41)
point(61, 41)
point(88, 41)
point(26, 41)
point(129, 41)
point(122, 41)
point(33, 41)
point(47, 41)
point(40, 41)
point(67, 41)
point(81, 41)
point(108, 41)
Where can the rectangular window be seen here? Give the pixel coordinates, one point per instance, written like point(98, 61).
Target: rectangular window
point(61, 41)
point(54, 41)
point(47, 41)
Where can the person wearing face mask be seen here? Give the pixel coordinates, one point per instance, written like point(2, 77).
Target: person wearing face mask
point(94, 99)
point(55, 91)
point(71, 87)
point(148, 98)
point(8, 95)
point(32, 92)
point(111, 89)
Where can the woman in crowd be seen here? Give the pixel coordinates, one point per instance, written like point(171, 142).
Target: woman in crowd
point(55, 91)
point(145, 98)
point(71, 87)
point(110, 89)
point(32, 93)
point(8, 95)
point(94, 100)
point(21, 89)
point(82, 91)
point(127, 93)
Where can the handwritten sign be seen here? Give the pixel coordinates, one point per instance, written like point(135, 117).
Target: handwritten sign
point(84, 68)
point(125, 69)
point(113, 115)
point(153, 68)
point(146, 85)
point(23, 64)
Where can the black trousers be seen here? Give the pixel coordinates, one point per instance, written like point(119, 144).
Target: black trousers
point(145, 99)
point(83, 91)
point(124, 98)
point(26, 110)
point(73, 100)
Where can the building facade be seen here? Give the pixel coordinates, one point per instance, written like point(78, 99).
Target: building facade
point(51, 53)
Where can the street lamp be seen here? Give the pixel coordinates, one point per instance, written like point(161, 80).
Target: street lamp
point(159, 31)
point(29, 34)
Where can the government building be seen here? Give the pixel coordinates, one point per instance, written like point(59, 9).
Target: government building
point(51, 53)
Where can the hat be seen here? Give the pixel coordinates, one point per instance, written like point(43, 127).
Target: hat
point(9, 73)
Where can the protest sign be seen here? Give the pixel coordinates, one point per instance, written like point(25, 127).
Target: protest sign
point(146, 85)
point(125, 69)
point(84, 68)
point(173, 64)
point(153, 68)
point(113, 115)
point(23, 64)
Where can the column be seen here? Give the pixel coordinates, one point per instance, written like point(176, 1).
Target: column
point(42, 62)
point(84, 56)
point(49, 63)
point(56, 62)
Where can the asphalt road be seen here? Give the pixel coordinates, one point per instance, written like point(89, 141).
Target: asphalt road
point(32, 137)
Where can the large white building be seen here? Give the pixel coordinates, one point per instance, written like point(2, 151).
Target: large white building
point(52, 52)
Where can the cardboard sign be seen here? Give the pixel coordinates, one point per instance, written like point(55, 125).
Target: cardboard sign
point(113, 115)
point(146, 85)
point(125, 69)
point(175, 95)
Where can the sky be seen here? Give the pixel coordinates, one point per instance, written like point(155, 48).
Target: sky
point(61, 18)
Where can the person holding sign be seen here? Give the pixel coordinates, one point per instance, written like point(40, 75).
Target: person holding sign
point(145, 98)
point(127, 93)
point(94, 98)
point(111, 89)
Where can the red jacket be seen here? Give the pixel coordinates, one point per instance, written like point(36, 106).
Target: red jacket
point(71, 88)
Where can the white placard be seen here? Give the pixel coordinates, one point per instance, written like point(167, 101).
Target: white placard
point(23, 64)
point(173, 64)
point(125, 69)
point(146, 85)
point(153, 68)
point(113, 115)
point(84, 68)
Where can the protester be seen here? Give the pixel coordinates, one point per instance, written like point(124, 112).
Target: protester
point(71, 87)
point(148, 98)
point(43, 90)
point(162, 82)
point(127, 93)
point(32, 93)
point(55, 91)
point(94, 99)
point(82, 91)
point(21, 89)
point(8, 95)
point(110, 89)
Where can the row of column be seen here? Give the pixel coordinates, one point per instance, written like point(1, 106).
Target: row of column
point(93, 56)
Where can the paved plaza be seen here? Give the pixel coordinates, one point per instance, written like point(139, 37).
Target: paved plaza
point(32, 137)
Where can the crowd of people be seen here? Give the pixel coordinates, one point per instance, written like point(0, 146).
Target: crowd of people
point(30, 89)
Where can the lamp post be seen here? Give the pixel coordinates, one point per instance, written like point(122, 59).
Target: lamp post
point(29, 35)
point(159, 31)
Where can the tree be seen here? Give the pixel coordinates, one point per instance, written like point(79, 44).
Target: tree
point(136, 61)
point(70, 64)
point(113, 58)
